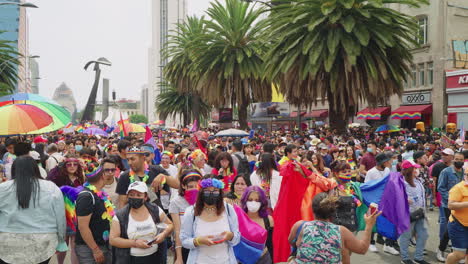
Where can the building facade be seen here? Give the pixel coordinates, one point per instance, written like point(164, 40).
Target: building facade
point(63, 95)
point(165, 15)
point(14, 23)
point(144, 101)
point(34, 73)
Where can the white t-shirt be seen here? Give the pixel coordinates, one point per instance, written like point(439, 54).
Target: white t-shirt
point(275, 185)
point(144, 230)
point(165, 199)
point(374, 174)
point(110, 190)
point(218, 253)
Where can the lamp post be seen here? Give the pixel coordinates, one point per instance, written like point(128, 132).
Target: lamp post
point(89, 109)
point(31, 5)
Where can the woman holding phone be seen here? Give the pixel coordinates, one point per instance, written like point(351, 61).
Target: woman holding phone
point(138, 228)
point(209, 228)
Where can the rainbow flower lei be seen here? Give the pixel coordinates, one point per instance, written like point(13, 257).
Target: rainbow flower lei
point(109, 213)
point(348, 190)
point(132, 175)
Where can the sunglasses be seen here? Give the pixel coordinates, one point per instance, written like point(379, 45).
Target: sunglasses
point(110, 170)
point(72, 164)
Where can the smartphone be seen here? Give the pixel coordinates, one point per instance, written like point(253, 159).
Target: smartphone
point(151, 242)
point(218, 239)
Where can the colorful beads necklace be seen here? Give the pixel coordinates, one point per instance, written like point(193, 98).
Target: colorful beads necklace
point(109, 213)
point(145, 178)
point(349, 191)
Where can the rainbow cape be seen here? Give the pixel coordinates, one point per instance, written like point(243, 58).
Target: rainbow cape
point(70, 194)
point(253, 239)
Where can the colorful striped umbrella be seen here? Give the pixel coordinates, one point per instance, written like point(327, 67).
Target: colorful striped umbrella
point(95, 131)
point(22, 119)
point(387, 129)
point(131, 128)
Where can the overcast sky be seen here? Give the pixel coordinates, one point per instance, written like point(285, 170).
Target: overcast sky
point(69, 33)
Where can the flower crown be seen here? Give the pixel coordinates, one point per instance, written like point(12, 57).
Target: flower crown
point(196, 154)
point(211, 182)
point(168, 153)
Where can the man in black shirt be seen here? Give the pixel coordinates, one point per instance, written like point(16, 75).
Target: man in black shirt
point(92, 233)
point(153, 175)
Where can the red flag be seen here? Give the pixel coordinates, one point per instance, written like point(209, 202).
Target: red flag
point(200, 146)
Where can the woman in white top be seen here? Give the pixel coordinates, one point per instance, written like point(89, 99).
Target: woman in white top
point(138, 228)
point(267, 177)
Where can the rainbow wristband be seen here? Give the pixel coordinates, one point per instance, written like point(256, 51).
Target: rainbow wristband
point(164, 181)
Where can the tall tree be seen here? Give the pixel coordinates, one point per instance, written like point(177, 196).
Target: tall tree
point(340, 51)
point(229, 57)
point(173, 103)
point(9, 63)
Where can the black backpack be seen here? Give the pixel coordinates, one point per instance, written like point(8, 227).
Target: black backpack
point(243, 167)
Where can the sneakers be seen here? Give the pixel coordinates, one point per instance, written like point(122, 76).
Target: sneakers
point(373, 248)
point(440, 256)
point(461, 261)
point(380, 240)
point(421, 261)
point(390, 250)
point(408, 261)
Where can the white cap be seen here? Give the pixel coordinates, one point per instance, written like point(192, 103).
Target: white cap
point(35, 155)
point(448, 151)
point(459, 142)
point(138, 186)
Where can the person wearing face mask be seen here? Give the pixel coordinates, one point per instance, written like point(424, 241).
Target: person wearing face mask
point(238, 187)
point(186, 197)
point(417, 203)
point(210, 228)
point(368, 161)
point(138, 228)
point(448, 178)
point(420, 158)
point(255, 203)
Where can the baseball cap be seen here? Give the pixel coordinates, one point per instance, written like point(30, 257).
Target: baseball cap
point(323, 146)
point(40, 139)
point(382, 157)
point(35, 155)
point(409, 164)
point(138, 186)
point(448, 151)
point(459, 142)
point(418, 154)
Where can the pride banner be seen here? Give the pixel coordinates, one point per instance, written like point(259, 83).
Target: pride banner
point(414, 115)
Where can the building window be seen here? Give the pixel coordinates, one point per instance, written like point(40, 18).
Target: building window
point(430, 73)
point(422, 31)
point(422, 75)
point(413, 76)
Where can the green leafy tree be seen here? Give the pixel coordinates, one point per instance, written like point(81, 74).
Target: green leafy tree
point(136, 119)
point(9, 63)
point(340, 51)
point(172, 103)
point(228, 57)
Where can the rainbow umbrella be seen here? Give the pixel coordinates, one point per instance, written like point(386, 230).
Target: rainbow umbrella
point(95, 131)
point(131, 128)
point(387, 129)
point(61, 117)
point(22, 119)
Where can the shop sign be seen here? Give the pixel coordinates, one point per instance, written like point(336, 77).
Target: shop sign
point(416, 98)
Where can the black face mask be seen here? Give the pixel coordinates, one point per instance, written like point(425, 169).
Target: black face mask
point(135, 203)
point(458, 164)
point(210, 198)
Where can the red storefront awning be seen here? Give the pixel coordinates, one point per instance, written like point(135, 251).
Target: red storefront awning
point(411, 111)
point(375, 114)
point(294, 114)
point(317, 113)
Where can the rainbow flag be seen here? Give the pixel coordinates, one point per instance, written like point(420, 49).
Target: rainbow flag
point(79, 129)
point(70, 195)
point(69, 125)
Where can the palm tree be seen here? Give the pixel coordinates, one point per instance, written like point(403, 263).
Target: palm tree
point(9, 62)
point(179, 71)
point(171, 103)
point(229, 57)
point(343, 51)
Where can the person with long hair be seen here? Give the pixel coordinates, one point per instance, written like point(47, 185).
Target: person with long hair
point(210, 228)
point(249, 154)
point(350, 156)
point(187, 196)
point(321, 241)
point(138, 228)
point(317, 165)
point(224, 170)
point(267, 177)
point(238, 187)
point(417, 202)
point(28, 197)
point(255, 203)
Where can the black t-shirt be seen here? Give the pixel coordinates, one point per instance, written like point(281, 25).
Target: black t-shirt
point(85, 206)
point(436, 170)
point(124, 180)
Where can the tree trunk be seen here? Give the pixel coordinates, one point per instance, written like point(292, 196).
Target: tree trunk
point(242, 110)
point(337, 119)
point(196, 108)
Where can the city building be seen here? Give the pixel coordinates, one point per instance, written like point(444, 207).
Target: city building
point(14, 23)
point(145, 101)
point(165, 15)
point(125, 106)
point(63, 95)
point(34, 73)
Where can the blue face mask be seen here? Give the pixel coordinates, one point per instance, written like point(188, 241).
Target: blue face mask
point(369, 149)
point(78, 147)
point(394, 162)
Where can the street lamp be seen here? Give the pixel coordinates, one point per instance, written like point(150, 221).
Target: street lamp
point(27, 4)
point(89, 109)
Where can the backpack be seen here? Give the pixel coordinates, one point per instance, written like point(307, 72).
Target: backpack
point(243, 167)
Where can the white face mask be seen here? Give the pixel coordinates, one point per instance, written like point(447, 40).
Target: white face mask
point(253, 206)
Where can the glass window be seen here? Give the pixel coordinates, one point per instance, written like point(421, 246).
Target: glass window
point(422, 31)
point(430, 73)
point(413, 76)
point(422, 75)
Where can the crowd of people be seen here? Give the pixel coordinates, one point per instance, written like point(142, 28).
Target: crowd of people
point(278, 197)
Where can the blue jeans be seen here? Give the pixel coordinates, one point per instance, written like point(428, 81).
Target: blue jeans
point(419, 227)
point(429, 196)
point(442, 222)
